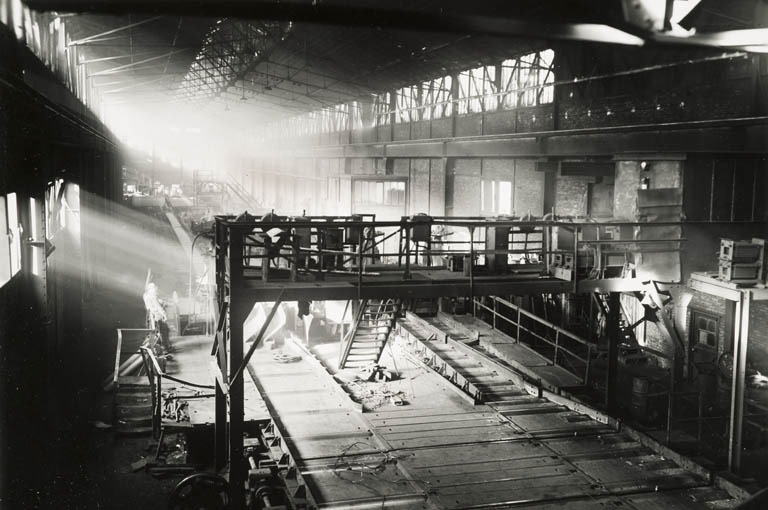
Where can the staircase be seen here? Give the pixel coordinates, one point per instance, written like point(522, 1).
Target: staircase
point(133, 406)
point(627, 330)
point(238, 198)
point(369, 334)
point(654, 300)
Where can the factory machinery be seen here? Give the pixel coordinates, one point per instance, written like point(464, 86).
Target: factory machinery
point(383, 269)
point(361, 259)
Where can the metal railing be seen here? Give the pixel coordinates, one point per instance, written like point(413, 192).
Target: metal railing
point(155, 372)
point(352, 245)
point(567, 350)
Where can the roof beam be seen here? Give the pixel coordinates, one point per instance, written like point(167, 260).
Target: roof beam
point(126, 67)
point(231, 49)
point(578, 20)
point(116, 57)
point(113, 31)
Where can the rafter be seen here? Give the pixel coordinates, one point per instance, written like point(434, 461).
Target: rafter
point(98, 36)
point(231, 49)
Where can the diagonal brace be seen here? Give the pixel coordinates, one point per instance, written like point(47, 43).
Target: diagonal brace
point(257, 341)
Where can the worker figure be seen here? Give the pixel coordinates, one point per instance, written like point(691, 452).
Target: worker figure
point(369, 245)
point(157, 319)
point(438, 234)
point(274, 238)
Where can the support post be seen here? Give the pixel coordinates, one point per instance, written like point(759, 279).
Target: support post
point(220, 433)
point(219, 353)
point(740, 341)
point(471, 264)
point(341, 331)
point(221, 258)
point(237, 315)
point(576, 231)
point(612, 378)
point(407, 228)
point(670, 409)
point(495, 312)
point(360, 262)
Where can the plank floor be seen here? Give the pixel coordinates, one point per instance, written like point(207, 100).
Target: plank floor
point(440, 451)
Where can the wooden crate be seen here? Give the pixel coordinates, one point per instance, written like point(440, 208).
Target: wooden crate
point(743, 273)
point(741, 252)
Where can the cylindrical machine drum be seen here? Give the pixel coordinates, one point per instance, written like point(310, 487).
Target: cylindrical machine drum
point(352, 234)
point(422, 228)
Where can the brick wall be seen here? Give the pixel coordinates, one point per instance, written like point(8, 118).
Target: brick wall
point(757, 350)
point(463, 188)
point(528, 188)
point(419, 186)
point(571, 196)
point(437, 187)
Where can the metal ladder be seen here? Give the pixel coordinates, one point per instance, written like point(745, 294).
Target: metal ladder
point(369, 334)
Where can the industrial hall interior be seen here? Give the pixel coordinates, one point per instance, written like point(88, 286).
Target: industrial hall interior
point(379, 254)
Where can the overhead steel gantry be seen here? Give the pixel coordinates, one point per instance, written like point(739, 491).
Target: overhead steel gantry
point(230, 50)
point(344, 258)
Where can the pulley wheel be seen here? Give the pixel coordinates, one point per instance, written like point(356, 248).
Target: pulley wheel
point(201, 491)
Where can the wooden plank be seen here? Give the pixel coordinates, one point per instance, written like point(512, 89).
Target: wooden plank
point(435, 419)
point(469, 480)
point(489, 468)
point(514, 493)
point(454, 457)
point(580, 445)
point(547, 422)
point(453, 429)
point(690, 499)
point(355, 486)
point(445, 440)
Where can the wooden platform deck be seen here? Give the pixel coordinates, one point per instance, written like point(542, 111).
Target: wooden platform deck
point(422, 282)
point(441, 451)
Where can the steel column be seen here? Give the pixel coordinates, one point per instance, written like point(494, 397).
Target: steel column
point(612, 326)
point(237, 314)
point(740, 341)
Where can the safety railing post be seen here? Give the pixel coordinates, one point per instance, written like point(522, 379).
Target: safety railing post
point(407, 274)
point(517, 336)
point(359, 262)
point(557, 347)
point(576, 259)
point(320, 258)
point(701, 416)
point(669, 418)
point(493, 298)
point(471, 262)
point(587, 364)
point(294, 263)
